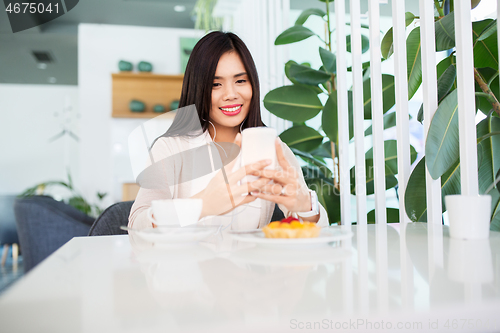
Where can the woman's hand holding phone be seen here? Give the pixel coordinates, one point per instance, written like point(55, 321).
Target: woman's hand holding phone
point(223, 193)
point(287, 188)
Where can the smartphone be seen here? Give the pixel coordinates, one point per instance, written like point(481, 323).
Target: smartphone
point(258, 143)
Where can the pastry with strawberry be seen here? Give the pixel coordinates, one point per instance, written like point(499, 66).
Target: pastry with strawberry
point(291, 228)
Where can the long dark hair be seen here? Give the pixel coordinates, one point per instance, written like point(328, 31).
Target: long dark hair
point(198, 83)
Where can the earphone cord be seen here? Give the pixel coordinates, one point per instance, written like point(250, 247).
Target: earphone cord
point(213, 140)
point(215, 135)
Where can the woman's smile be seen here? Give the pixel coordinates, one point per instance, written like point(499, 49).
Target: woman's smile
point(231, 110)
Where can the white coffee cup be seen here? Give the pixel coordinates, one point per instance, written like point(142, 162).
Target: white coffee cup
point(258, 143)
point(469, 216)
point(181, 212)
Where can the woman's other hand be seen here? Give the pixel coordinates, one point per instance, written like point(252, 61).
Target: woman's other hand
point(223, 193)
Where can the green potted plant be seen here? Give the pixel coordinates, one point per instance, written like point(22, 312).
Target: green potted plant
point(300, 102)
point(441, 147)
point(75, 199)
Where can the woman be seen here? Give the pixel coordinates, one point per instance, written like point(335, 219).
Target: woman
point(221, 82)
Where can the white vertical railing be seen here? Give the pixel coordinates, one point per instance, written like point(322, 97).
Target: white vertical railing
point(347, 273)
point(382, 263)
point(402, 114)
point(466, 99)
point(343, 115)
point(429, 86)
point(377, 112)
point(358, 112)
point(285, 9)
point(363, 276)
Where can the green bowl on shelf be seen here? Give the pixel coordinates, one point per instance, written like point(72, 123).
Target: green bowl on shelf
point(125, 66)
point(145, 66)
point(159, 108)
point(174, 106)
point(136, 106)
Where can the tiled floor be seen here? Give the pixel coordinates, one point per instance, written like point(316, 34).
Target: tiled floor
point(10, 272)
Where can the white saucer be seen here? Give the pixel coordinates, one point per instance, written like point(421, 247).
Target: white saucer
point(327, 235)
point(174, 235)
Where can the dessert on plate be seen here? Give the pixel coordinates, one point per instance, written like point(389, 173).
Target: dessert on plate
point(291, 228)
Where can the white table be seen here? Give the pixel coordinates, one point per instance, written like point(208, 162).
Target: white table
point(415, 280)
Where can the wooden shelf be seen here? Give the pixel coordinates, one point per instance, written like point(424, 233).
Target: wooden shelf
point(151, 89)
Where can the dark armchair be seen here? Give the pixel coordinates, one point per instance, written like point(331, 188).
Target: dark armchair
point(44, 225)
point(8, 231)
point(109, 222)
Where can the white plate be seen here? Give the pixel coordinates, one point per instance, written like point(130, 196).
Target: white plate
point(174, 235)
point(327, 235)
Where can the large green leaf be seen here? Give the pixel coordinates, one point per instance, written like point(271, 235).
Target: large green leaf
point(310, 159)
point(444, 84)
point(302, 137)
point(293, 34)
point(365, 43)
point(316, 89)
point(307, 75)
point(490, 162)
point(327, 196)
point(329, 117)
point(489, 165)
point(446, 81)
point(391, 156)
point(495, 216)
point(311, 171)
point(482, 29)
point(488, 31)
point(441, 147)
point(308, 12)
point(445, 32)
point(443, 65)
point(392, 216)
point(497, 184)
point(329, 121)
point(328, 59)
point(388, 95)
point(486, 52)
point(415, 195)
point(387, 45)
point(323, 151)
point(293, 103)
point(414, 62)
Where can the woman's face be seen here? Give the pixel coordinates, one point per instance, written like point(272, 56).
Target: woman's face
point(231, 92)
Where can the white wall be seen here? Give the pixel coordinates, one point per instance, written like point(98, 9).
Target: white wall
point(104, 158)
point(30, 116)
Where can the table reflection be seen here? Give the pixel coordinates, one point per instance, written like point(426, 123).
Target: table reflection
point(381, 269)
